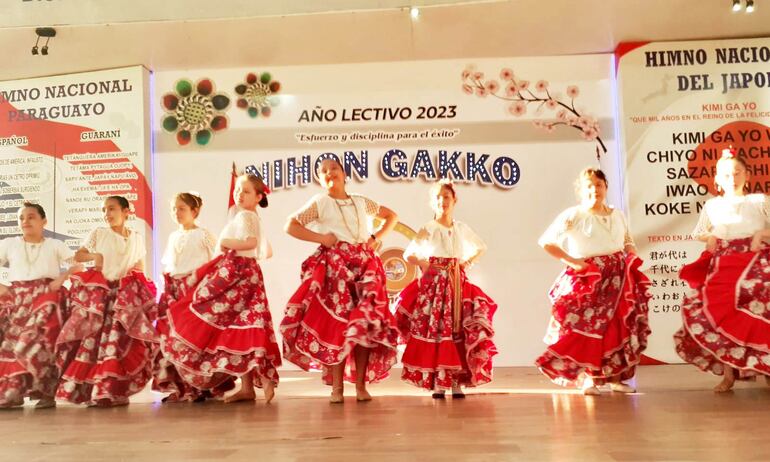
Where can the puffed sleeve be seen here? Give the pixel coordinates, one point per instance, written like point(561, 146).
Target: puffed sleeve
point(766, 209)
point(209, 243)
point(627, 239)
point(4, 251)
point(89, 243)
point(704, 226)
point(472, 240)
point(64, 254)
point(248, 225)
point(168, 254)
point(140, 249)
point(372, 208)
point(308, 213)
point(556, 231)
point(420, 247)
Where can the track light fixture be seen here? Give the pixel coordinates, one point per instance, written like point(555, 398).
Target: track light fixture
point(46, 32)
point(737, 6)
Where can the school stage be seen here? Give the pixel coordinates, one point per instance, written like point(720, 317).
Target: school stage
point(520, 416)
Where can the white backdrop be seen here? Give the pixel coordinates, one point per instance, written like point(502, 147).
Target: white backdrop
point(515, 271)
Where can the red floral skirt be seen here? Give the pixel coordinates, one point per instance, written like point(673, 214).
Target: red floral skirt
point(599, 324)
point(107, 345)
point(342, 303)
point(726, 317)
point(222, 328)
point(30, 320)
point(441, 352)
point(165, 377)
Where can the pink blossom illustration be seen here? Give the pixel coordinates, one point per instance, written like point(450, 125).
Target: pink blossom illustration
point(518, 108)
point(492, 86)
point(519, 96)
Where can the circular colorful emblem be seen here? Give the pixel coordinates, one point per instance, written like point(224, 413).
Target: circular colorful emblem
point(398, 271)
point(194, 111)
point(257, 95)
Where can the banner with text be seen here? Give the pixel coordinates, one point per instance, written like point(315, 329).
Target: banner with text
point(681, 104)
point(68, 141)
point(512, 133)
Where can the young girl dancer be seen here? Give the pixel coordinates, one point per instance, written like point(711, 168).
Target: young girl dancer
point(31, 311)
point(188, 248)
point(446, 320)
point(599, 323)
point(222, 328)
point(726, 317)
point(108, 343)
point(340, 312)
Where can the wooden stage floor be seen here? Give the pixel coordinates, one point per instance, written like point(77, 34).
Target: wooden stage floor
point(520, 416)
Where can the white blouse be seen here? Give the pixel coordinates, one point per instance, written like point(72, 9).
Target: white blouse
point(351, 220)
point(120, 253)
point(187, 250)
point(436, 240)
point(244, 225)
point(27, 261)
point(583, 234)
point(733, 217)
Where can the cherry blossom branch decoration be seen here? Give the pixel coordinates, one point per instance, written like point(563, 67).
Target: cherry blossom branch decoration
point(520, 96)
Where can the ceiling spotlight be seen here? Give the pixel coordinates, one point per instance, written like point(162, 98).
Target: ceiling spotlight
point(749, 6)
point(414, 12)
point(46, 32)
point(736, 5)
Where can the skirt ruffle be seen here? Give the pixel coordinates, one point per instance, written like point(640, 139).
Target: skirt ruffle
point(341, 304)
point(726, 315)
point(599, 326)
point(106, 347)
point(436, 357)
point(222, 328)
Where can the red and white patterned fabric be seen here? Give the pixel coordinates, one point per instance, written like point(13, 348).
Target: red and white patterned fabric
point(342, 303)
point(222, 328)
point(166, 378)
point(437, 356)
point(599, 324)
point(30, 320)
point(106, 347)
point(726, 317)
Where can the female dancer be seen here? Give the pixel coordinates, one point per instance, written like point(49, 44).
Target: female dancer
point(338, 320)
point(222, 328)
point(31, 311)
point(107, 346)
point(188, 248)
point(446, 320)
point(599, 324)
point(726, 318)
